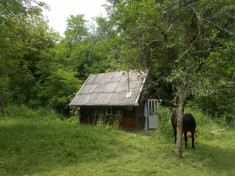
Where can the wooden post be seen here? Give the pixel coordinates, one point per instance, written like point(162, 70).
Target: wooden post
point(2, 107)
point(79, 115)
point(137, 118)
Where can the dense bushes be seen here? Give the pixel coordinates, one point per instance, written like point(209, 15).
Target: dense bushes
point(205, 123)
point(217, 106)
point(23, 111)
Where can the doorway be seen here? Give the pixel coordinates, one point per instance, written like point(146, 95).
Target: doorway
point(153, 121)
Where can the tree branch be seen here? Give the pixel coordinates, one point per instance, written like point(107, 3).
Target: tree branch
point(217, 26)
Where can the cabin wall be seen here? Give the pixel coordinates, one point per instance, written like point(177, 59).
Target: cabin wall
point(140, 116)
point(127, 115)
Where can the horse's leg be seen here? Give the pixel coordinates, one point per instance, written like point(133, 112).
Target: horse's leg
point(185, 139)
point(175, 133)
point(193, 140)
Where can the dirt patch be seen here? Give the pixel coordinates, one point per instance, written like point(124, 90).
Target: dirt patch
point(219, 132)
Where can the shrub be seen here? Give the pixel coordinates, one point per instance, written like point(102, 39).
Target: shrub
point(102, 120)
point(165, 127)
point(23, 111)
point(219, 106)
point(205, 123)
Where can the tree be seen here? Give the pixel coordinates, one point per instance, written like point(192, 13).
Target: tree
point(24, 36)
point(9, 43)
point(183, 41)
point(76, 31)
point(57, 91)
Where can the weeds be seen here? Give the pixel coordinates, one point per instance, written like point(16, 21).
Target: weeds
point(117, 119)
point(102, 120)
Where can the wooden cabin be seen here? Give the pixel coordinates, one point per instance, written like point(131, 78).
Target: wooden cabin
point(117, 96)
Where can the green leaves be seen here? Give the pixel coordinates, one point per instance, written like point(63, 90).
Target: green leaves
point(24, 38)
point(59, 87)
point(76, 29)
point(186, 43)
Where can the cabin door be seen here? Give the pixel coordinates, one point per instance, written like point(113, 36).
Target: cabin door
point(153, 113)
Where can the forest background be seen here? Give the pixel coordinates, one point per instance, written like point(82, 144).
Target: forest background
point(186, 45)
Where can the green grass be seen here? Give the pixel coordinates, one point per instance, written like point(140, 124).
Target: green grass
point(33, 147)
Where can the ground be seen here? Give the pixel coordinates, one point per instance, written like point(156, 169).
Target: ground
point(54, 147)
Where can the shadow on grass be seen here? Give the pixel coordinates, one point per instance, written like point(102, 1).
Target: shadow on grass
point(214, 157)
point(215, 154)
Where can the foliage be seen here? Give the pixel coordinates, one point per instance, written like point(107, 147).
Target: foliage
point(76, 30)
point(183, 41)
point(190, 47)
point(186, 46)
point(24, 36)
point(102, 120)
point(58, 88)
point(16, 8)
point(216, 105)
point(14, 111)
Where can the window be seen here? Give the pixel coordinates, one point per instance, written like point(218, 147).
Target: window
point(129, 108)
point(109, 111)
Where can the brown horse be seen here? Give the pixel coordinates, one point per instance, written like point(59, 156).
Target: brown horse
point(189, 124)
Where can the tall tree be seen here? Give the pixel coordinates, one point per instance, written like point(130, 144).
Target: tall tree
point(24, 35)
point(76, 31)
point(183, 41)
point(10, 44)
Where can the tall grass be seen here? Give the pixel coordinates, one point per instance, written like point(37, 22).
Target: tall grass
point(38, 146)
point(23, 111)
point(205, 123)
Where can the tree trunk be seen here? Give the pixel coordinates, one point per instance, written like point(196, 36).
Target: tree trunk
point(182, 92)
point(178, 150)
point(2, 107)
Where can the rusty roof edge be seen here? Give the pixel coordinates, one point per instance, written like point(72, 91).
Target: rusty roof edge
point(80, 90)
point(141, 88)
point(136, 104)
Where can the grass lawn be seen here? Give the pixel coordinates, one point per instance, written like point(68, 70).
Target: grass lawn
point(36, 147)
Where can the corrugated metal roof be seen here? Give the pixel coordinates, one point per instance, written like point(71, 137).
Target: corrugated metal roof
point(110, 89)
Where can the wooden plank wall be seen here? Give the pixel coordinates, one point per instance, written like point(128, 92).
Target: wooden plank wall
point(128, 120)
point(140, 116)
